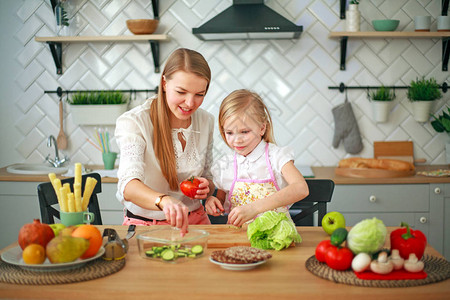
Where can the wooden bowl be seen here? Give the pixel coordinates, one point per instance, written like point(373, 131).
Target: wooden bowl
point(142, 26)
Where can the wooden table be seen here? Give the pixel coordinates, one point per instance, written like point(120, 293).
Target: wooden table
point(284, 276)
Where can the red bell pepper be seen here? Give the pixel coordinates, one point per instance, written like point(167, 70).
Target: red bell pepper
point(407, 241)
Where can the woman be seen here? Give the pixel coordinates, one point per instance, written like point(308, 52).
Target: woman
point(165, 141)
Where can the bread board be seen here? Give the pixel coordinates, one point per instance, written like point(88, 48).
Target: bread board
point(372, 173)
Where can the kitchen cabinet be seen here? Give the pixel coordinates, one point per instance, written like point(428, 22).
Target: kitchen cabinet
point(344, 36)
point(19, 204)
point(423, 206)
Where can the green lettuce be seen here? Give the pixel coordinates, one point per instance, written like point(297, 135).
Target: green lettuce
point(272, 230)
point(367, 236)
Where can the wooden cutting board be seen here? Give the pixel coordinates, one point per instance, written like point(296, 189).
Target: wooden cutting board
point(227, 236)
point(401, 150)
point(372, 173)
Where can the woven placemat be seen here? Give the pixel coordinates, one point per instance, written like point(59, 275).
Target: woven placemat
point(437, 269)
point(94, 269)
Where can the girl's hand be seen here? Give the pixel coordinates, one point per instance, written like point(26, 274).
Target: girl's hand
point(213, 206)
point(241, 214)
point(203, 188)
point(176, 213)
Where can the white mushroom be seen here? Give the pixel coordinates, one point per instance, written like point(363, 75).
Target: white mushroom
point(412, 264)
point(361, 262)
point(382, 265)
point(396, 259)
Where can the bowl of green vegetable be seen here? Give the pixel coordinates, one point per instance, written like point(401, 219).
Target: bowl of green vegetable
point(166, 244)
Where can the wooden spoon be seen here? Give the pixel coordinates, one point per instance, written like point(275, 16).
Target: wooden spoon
point(61, 140)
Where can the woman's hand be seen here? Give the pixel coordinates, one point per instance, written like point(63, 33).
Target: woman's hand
point(241, 214)
point(203, 188)
point(214, 207)
point(176, 213)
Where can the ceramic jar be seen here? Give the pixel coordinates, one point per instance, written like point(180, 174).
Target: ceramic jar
point(443, 23)
point(353, 18)
point(422, 23)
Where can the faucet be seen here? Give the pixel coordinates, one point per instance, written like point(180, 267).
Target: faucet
point(57, 162)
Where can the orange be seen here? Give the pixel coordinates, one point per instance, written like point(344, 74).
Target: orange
point(93, 235)
point(34, 254)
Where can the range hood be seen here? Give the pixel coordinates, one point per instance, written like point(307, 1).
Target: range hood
point(248, 19)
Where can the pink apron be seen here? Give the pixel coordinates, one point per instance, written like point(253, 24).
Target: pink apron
point(244, 191)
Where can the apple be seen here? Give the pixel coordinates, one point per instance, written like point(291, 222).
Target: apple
point(332, 221)
point(57, 228)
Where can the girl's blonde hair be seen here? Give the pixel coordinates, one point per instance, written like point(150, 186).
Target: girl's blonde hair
point(249, 104)
point(180, 60)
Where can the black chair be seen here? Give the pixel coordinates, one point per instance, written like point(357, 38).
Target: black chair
point(47, 198)
point(320, 192)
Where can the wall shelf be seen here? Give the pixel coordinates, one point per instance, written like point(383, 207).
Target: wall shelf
point(55, 44)
point(344, 36)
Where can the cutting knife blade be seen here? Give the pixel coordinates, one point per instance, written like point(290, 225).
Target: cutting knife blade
point(131, 232)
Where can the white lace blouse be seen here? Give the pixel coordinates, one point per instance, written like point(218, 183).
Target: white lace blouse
point(134, 135)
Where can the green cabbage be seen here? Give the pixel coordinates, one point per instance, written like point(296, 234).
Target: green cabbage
point(367, 236)
point(272, 230)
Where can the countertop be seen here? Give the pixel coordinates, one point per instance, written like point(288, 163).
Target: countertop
point(319, 173)
point(329, 173)
point(6, 176)
point(284, 276)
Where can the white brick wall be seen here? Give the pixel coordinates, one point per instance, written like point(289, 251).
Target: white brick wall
point(292, 76)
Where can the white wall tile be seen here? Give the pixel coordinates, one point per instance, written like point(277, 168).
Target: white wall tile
point(293, 76)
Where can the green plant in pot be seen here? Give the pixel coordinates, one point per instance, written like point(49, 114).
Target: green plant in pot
point(97, 108)
point(97, 98)
point(381, 100)
point(441, 123)
point(422, 92)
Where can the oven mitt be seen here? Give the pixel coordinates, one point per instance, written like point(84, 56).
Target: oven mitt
point(346, 128)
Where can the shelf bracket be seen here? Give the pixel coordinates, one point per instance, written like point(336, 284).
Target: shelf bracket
point(56, 50)
point(342, 6)
point(344, 40)
point(445, 53)
point(154, 46)
point(444, 6)
point(155, 6)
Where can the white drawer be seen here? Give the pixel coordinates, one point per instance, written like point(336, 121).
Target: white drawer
point(380, 198)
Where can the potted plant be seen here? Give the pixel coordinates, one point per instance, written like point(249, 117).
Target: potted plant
point(381, 100)
point(97, 108)
point(422, 92)
point(442, 124)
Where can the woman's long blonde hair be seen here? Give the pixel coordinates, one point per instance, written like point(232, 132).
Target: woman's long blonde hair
point(180, 60)
point(248, 103)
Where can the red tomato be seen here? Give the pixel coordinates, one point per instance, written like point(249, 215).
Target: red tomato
point(339, 258)
point(189, 187)
point(321, 250)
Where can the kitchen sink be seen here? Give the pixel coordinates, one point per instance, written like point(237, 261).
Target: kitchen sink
point(35, 169)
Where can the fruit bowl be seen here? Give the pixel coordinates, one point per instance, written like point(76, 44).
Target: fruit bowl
point(142, 26)
point(166, 244)
point(385, 25)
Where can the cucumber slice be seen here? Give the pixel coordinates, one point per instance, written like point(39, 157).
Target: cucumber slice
point(197, 249)
point(150, 253)
point(168, 254)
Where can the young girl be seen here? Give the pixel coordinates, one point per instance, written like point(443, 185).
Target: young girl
point(164, 141)
point(262, 175)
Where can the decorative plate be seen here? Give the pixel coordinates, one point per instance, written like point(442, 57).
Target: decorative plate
point(435, 173)
point(237, 267)
point(14, 256)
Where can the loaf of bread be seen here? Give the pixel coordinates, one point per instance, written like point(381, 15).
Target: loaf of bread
point(373, 163)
